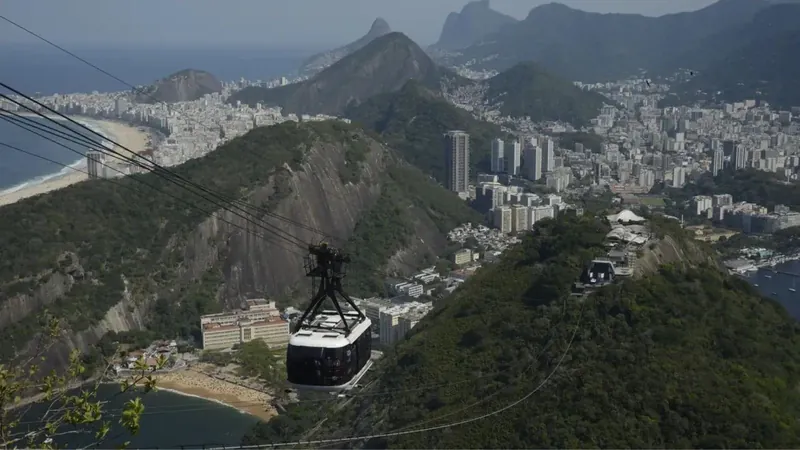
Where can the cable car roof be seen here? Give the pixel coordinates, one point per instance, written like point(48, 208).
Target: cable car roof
point(327, 330)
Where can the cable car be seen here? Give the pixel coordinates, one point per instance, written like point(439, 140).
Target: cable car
point(329, 350)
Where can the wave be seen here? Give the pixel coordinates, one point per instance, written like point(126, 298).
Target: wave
point(79, 164)
point(208, 399)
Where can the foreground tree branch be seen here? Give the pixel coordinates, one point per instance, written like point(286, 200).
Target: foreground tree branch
point(68, 399)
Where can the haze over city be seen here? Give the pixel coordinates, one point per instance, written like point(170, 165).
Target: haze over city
point(399, 224)
point(271, 24)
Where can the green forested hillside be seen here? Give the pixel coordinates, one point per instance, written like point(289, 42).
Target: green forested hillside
point(98, 232)
point(679, 358)
point(389, 225)
point(413, 121)
point(381, 66)
point(117, 227)
point(528, 90)
point(765, 69)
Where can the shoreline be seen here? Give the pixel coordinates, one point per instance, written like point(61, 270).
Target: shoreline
point(193, 383)
point(128, 135)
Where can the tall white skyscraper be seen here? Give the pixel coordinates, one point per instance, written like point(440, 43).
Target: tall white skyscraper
point(94, 163)
point(498, 156)
point(456, 161)
point(717, 161)
point(513, 158)
point(533, 160)
point(678, 177)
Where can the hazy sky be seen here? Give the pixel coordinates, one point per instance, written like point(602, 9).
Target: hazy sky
point(261, 23)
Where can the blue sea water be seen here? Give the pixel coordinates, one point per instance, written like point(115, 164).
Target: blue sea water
point(35, 69)
point(18, 169)
point(169, 421)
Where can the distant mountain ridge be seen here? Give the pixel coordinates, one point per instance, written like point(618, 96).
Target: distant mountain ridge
point(321, 61)
point(183, 86)
point(475, 21)
point(754, 61)
point(383, 65)
point(599, 47)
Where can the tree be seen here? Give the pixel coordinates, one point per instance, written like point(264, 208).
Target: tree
point(70, 404)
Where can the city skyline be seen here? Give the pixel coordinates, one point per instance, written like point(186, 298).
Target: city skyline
point(254, 23)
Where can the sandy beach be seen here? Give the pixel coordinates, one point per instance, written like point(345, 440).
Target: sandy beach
point(127, 135)
point(192, 382)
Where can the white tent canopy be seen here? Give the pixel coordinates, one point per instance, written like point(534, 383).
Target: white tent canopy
point(625, 216)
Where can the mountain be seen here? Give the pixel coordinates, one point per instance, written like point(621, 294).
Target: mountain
point(754, 61)
point(475, 21)
point(768, 23)
point(528, 90)
point(413, 121)
point(321, 61)
point(114, 255)
point(766, 70)
point(597, 47)
point(184, 86)
point(680, 356)
point(383, 65)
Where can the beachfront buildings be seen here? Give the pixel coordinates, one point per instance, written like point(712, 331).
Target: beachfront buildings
point(95, 164)
point(259, 319)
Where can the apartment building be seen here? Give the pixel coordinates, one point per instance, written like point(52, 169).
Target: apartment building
point(259, 319)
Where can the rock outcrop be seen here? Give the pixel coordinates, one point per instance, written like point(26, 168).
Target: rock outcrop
point(108, 284)
point(184, 86)
point(321, 61)
point(384, 65)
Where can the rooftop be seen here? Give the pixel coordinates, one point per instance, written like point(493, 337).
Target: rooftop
point(214, 327)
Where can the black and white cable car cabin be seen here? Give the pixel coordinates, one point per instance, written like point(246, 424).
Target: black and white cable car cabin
point(330, 349)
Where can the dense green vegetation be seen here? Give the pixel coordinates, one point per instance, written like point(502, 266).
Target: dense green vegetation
point(384, 65)
point(122, 227)
point(413, 122)
point(528, 90)
point(389, 225)
point(679, 358)
point(258, 360)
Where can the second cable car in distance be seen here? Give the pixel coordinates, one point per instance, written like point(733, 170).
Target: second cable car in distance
point(329, 350)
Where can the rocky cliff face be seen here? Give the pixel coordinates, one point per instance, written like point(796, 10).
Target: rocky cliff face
point(475, 21)
point(312, 193)
point(184, 86)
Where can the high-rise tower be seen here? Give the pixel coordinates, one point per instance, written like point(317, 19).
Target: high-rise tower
point(456, 161)
point(498, 156)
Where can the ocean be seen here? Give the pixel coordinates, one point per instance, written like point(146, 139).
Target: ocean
point(41, 70)
point(776, 282)
point(18, 169)
point(169, 421)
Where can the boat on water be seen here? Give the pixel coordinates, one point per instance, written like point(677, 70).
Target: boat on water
point(792, 290)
